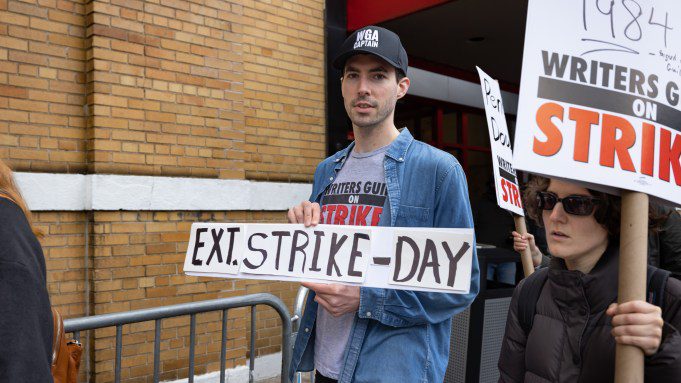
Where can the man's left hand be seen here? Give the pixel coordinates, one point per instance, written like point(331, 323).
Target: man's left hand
point(337, 299)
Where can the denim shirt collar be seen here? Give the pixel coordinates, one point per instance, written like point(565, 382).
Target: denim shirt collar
point(398, 149)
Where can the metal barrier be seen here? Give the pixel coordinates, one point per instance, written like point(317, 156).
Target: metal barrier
point(157, 314)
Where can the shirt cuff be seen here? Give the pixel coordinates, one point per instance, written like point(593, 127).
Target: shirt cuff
point(371, 302)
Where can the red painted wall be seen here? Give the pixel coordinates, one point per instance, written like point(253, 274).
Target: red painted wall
point(364, 12)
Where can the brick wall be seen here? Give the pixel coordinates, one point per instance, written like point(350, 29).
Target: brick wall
point(220, 89)
point(167, 88)
point(209, 88)
point(42, 85)
point(69, 265)
point(65, 251)
point(284, 88)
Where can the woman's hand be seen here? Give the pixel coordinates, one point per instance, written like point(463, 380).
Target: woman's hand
point(521, 242)
point(637, 323)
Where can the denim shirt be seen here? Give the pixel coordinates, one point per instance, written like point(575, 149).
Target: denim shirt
point(399, 335)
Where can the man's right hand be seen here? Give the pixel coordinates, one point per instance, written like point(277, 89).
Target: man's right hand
point(307, 213)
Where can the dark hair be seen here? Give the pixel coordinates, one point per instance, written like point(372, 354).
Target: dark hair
point(399, 73)
point(9, 190)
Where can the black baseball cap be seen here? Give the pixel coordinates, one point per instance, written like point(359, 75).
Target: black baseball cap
point(377, 41)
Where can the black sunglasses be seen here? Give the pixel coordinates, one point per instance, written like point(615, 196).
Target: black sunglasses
point(572, 204)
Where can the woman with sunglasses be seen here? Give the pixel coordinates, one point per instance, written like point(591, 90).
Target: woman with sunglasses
point(577, 321)
point(664, 244)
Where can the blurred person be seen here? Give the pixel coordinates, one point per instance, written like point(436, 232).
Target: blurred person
point(571, 333)
point(492, 225)
point(664, 244)
point(26, 326)
point(359, 334)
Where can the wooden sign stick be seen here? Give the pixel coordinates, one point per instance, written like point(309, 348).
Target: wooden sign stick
point(632, 277)
point(525, 255)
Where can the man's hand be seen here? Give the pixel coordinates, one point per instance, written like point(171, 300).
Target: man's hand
point(521, 242)
point(306, 213)
point(637, 323)
point(335, 298)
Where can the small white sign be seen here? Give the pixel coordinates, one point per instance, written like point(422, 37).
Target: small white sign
point(505, 180)
point(430, 260)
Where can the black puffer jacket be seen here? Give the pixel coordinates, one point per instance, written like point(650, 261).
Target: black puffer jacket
point(570, 339)
point(25, 316)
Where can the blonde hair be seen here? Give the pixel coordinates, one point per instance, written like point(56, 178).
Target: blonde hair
point(9, 190)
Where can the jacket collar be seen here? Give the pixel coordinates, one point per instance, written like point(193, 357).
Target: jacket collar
point(340, 155)
point(396, 151)
point(599, 286)
point(398, 148)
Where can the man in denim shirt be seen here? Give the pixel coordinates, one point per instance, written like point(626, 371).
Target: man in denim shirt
point(375, 335)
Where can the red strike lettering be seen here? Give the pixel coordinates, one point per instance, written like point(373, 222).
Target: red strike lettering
point(510, 193)
point(617, 138)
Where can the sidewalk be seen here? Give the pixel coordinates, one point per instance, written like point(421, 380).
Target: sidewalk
point(306, 379)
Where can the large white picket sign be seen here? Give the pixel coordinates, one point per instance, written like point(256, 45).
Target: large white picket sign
point(505, 180)
point(600, 92)
point(421, 259)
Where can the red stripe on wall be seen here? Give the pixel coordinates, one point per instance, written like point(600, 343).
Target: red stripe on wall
point(362, 12)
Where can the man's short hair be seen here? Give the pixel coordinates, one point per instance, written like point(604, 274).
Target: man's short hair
point(399, 74)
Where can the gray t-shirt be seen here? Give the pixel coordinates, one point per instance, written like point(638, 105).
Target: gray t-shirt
point(356, 197)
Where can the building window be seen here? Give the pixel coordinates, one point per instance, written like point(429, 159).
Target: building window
point(459, 130)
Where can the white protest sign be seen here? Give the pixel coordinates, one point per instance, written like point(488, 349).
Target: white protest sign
point(505, 180)
point(599, 95)
point(358, 255)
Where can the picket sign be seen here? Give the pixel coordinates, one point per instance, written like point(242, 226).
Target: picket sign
point(419, 259)
point(505, 179)
point(600, 103)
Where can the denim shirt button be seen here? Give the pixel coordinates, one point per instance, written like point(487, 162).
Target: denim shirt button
point(401, 159)
point(307, 329)
point(330, 178)
point(369, 314)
